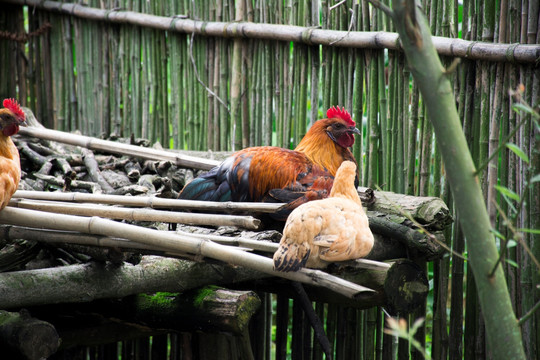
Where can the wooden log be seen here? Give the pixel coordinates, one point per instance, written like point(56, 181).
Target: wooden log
point(83, 283)
point(25, 337)
point(91, 281)
point(402, 287)
point(68, 183)
point(406, 287)
point(79, 326)
point(15, 252)
point(430, 212)
point(429, 245)
point(94, 172)
point(209, 309)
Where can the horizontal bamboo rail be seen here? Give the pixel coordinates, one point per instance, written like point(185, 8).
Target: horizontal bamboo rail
point(149, 201)
point(118, 148)
point(476, 50)
point(142, 214)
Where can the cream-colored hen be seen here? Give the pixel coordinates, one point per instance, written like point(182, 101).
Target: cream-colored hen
point(328, 230)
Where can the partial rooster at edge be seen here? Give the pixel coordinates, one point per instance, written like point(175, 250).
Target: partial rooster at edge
point(327, 230)
point(274, 174)
point(11, 117)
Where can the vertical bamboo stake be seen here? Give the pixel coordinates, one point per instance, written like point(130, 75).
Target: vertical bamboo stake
point(411, 141)
point(374, 130)
point(236, 75)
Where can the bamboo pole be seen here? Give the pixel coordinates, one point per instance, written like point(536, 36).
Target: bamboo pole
point(148, 201)
point(501, 326)
point(174, 242)
point(247, 222)
point(376, 40)
point(118, 148)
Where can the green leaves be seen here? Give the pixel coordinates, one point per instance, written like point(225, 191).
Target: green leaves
point(517, 150)
point(506, 192)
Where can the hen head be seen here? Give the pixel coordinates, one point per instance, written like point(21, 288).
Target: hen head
point(340, 127)
point(11, 117)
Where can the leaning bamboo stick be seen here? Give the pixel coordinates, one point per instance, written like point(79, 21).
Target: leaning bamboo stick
point(310, 36)
point(71, 237)
point(118, 148)
point(148, 201)
point(175, 242)
point(247, 222)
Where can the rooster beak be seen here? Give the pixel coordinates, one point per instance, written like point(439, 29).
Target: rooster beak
point(354, 130)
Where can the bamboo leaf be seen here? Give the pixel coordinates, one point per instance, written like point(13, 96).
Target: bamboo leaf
point(498, 234)
point(511, 243)
point(534, 179)
point(517, 107)
point(518, 151)
point(530, 231)
point(512, 263)
point(507, 192)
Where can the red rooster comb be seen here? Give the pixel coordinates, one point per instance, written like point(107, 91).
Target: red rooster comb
point(13, 106)
point(336, 112)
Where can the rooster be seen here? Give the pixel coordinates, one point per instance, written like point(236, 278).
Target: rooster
point(274, 174)
point(327, 230)
point(11, 117)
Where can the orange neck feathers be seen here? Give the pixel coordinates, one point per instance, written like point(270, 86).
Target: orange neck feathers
point(321, 149)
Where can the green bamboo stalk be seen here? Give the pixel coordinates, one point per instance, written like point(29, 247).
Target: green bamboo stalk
point(501, 326)
point(411, 141)
point(534, 208)
point(399, 163)
point(280, 113)
point(331, 325)
point(455, 344)
point(374, 130)
point(287, 91)
point(425, 165)
point(268, 94)
point(58, 70)
point(236, 81)
point(388, 122)
point(358, 111)
point(370, 333)
point(315, 53)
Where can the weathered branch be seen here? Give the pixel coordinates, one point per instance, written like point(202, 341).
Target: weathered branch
point(94, 172)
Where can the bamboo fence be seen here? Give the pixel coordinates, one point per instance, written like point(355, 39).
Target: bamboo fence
point(223, 75)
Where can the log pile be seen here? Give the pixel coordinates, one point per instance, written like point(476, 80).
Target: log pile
point(99, 207)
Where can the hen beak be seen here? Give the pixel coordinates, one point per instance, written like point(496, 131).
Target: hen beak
point(354, 130)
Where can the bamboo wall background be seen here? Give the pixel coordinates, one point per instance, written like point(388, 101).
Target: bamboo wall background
point(199, 92)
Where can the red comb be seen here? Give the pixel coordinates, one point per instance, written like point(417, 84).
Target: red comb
point(13, 106)
point(336, 112)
